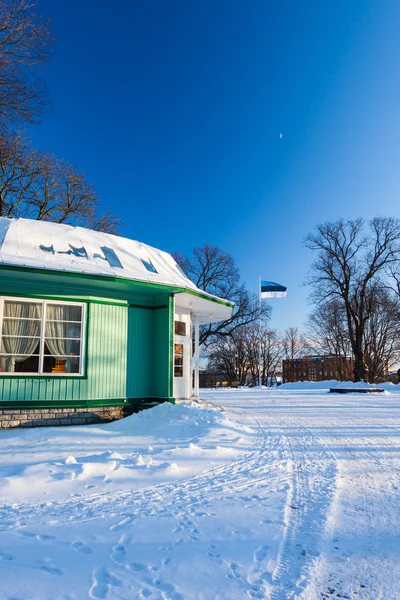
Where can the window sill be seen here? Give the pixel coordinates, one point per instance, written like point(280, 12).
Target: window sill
point(43, 375)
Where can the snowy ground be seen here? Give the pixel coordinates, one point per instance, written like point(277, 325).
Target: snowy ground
point(292, 493)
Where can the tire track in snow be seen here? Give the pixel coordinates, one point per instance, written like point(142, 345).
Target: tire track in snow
point(358, 454)
point(313, 484)
point(183, 499)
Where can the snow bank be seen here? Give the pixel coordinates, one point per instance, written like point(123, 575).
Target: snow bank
point(333, 383)
point(153, 446)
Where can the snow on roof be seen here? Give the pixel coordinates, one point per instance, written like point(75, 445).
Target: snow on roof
point(56, 247)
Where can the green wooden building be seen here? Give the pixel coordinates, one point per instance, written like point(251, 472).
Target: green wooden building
point(93, 325)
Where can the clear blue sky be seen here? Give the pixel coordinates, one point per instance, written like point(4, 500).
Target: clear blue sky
point(174, 110)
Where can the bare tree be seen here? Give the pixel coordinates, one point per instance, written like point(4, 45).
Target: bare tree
point(39, 186)
point(382, 336)
point(25, 43)
point(19, 170)
point(271, 354)
point(349, 266)
point(294, 345)
point(216, 272)
point(33, 184)
point(236, 358)
point(327, 334)
point(228, 357)
point(107, 221)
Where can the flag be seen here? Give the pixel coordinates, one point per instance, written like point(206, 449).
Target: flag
point(270, 289)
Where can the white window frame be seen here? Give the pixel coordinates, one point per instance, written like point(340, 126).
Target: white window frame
point(44, 303)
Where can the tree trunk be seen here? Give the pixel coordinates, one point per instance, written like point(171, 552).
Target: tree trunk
point(360, 367)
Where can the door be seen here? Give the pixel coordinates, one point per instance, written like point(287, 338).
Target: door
point(182, 356)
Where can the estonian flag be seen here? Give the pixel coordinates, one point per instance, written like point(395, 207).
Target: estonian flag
point(270, 289)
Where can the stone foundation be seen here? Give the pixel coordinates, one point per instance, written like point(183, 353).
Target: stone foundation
point(51, 417)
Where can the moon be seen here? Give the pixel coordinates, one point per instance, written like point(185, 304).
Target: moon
point(280, 136)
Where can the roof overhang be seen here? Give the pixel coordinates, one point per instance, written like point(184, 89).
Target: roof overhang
point(209, 309)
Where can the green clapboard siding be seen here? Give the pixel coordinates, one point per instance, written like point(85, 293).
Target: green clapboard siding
point(106, 352)
point(140, 352)
point(148, 353)
point(161, 383)
point(105, 365)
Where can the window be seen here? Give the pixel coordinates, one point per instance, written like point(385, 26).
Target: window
point(41, 337)
point(180, 328)
point(111, 257)
point(178, 360)
point(149, 265)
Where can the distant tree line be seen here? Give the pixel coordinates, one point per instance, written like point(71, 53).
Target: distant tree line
point(231, 347)
point(237, 358)
point(355, 281)
point(36, 184)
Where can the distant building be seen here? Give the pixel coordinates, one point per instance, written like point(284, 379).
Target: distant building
point(318, 368)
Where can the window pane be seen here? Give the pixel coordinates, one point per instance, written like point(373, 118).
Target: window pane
point(30, 365)
point(21, 327)
point(18, 346)
point(62, 347)
point(178, 371)
point(180, 328)
point(178, 348)
point(58, 365)
point(19, 355)
point(149, 266)
point(63, 312)
point(62, 329)
point(22, 310)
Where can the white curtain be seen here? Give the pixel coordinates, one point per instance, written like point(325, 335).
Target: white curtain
point(16, 323)
point(59, 331)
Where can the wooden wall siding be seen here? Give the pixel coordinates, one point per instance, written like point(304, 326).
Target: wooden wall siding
point(161, 353)
point(16, 281)
point(106, 351)
point(106, 365)
point(148, 353)
point(140, 364)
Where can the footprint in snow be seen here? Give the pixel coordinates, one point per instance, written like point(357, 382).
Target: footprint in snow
point(103, 581)
point(118, 554)
point(51, 569)
point(121, 524)
point(136, 566)
point(260, 554)
point(6, 556)
point(212, 552)
point(256, 593)
point(81, 547)
point(125, 539)
point(27, 534)
point(168, 588)
point(42, 537)
point(233, 572)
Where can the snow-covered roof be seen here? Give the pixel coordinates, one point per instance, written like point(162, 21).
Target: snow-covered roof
point(56, 247)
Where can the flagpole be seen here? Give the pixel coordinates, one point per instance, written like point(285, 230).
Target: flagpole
point(259, 332)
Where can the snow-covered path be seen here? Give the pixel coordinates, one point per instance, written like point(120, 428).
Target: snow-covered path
point(309, 507)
